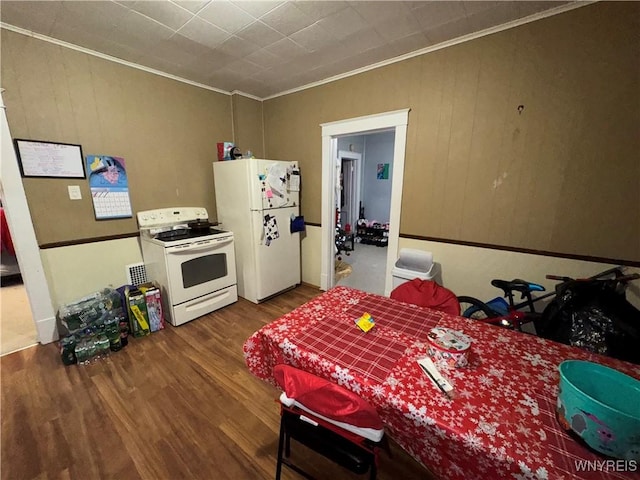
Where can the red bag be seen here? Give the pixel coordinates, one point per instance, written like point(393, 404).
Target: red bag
point(426, 293)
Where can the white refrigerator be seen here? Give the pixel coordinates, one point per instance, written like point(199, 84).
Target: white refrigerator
point(258, 200)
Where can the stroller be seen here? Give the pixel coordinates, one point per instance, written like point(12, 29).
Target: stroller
point(595, 315)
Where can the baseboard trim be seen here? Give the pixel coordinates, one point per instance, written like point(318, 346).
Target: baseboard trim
point(47, 330)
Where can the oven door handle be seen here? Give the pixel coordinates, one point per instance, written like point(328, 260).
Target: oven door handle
point(206, 245)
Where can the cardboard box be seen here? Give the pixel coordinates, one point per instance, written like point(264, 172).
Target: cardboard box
point(153, 300)
point(138, 315)
point(224, 150)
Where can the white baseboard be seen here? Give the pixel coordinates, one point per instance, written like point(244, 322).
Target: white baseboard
point(47, 330)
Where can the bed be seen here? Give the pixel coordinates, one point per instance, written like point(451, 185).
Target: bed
point(501, 423)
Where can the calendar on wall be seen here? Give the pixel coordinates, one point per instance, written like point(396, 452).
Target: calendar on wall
point(109, 187)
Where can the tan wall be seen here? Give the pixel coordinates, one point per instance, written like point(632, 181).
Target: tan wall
point(165, 130)
point(562, 176)
point(247, 125)
point(468, 270)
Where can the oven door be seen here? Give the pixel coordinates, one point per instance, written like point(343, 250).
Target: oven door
point(199, 268)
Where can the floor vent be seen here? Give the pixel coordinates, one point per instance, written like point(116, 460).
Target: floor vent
point(136, 274)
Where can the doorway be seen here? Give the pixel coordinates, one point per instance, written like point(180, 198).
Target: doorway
point(23, 234)
point(364, 198)
point(396, 121)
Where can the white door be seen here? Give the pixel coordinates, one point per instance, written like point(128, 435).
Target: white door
point(277, 252)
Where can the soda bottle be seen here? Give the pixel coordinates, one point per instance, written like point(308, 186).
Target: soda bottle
point(82, 354)
point(124, 332)
point(112, 330)
point(102, 345)
point(68, 350)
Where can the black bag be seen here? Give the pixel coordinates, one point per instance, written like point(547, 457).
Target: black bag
point(593, 315)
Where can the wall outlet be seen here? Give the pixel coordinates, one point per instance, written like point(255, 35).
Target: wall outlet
point(74, 192)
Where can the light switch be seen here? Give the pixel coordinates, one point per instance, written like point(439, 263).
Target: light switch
point(74, 192)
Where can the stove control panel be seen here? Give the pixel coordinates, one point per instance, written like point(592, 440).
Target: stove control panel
point(170, 216)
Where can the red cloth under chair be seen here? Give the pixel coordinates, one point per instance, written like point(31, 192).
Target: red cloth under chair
point(426, 293)
point(6, 243)
point(326, 398)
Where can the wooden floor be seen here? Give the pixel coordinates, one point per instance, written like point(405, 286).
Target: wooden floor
point(177, 404)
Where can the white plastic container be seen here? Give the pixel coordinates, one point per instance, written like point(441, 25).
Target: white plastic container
point(402, 275)
point(415, 264)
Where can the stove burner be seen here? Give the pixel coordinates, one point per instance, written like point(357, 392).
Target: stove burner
point(173, 234)
point(185, 233)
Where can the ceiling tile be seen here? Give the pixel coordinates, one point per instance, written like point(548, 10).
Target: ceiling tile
point(83, 38)
point(226, 15)
point(362, 41)
point(38, 17)
point(140, 31)
point(379, 12)
point(374, 55)
point(167, 13)
point(211, 62)
point(272, 75)
point(286, 48)
point(330, 54)
point(257, 9)
point(410, 43)
point(160, 63)
point(223, 79)
point(174, 51)
point(193, 6)
point(313, 37)
point(320, 9)
point(237, 47)
point(264, 58)
point(479, 6)
point(254, 85)
point(260, 34)
point(403, 26)
point(494, 16)
point(243, 68)
point(432, 14)
point(343, 23)
point(449, 31)
point(286, 19)
point(181, 43)
point(126, 3)
point(101, 19)
point(529, 8)
point(203, 32)
point(124, 52)
point(302, 64)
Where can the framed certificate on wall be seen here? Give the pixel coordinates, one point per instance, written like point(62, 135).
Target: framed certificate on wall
point(37, 158)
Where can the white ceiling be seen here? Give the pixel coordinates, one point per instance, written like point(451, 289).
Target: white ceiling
point(263, 48)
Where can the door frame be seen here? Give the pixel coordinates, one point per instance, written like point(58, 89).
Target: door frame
point(396, 120)
point(24, 238)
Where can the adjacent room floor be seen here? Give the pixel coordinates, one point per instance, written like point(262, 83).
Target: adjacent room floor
point(368, 264)
point(17, 330)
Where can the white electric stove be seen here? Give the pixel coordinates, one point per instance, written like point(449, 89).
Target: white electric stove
point(193, 262)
